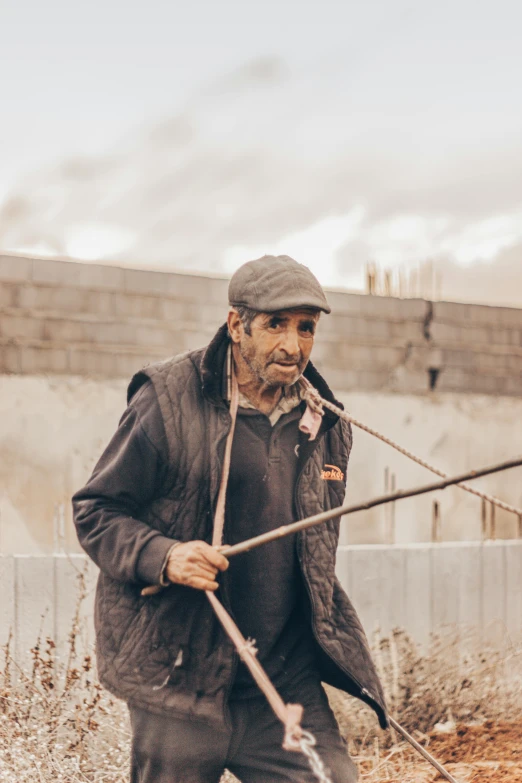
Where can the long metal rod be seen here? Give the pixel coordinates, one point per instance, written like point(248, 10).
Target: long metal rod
point(484, 495)
point(418, 747)
point(325, 516)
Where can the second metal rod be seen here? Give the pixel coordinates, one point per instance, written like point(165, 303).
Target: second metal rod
point(325, 516)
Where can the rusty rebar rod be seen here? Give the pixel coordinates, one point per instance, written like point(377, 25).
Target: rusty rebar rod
point(420, 749)
point(325, 516)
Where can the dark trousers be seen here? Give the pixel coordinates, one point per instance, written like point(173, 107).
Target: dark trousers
point(172, 750)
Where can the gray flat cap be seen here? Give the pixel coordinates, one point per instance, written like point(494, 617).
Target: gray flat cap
point(274, 283)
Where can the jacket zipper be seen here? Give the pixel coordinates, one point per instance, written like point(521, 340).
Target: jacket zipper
point(354, 679)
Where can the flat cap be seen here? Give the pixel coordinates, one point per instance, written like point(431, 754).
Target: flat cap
point(274, 283)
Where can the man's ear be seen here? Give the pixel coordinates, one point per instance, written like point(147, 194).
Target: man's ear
point(235, 327)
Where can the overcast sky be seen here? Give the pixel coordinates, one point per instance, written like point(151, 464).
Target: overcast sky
point(201, 134)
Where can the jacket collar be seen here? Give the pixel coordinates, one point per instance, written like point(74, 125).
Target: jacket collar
point(211, 369)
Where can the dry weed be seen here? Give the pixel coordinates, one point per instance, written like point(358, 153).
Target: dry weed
point(58, 724)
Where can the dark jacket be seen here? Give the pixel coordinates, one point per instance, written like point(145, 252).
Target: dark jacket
point(167, 653)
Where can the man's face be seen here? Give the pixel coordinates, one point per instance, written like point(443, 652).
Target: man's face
point(279, 346)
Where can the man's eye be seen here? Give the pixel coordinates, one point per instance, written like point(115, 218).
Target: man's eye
point(308, 328)
point(274, 323)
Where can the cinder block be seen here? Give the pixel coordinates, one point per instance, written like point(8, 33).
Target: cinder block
point(344, 303)
point(381, 307)
point(127, 364)
point(10, 359)
point(64, 330)
point(121, 334)
point(391, 308)
point(21, 328)
point(157, 336)
point(480, 383)
point(100, 302)
point(453, 379)
point(502, 336)
point(487, 363)
point(209, 314)
point(367, 329)
point(27, 297)
point(51, 298)
point(128, 305)
point(510, 385)
point(172, 310)
point(368, 380)
point(7, 294)
point(447, 333)
point(408, 379)
point(451, 313)
point(363, 357)
point(143, 282)
point(407, 331)
point(75, 274)
point(37, 360)
point(194, 340)
point(478, 315)
point(92, 363)
point(219, 292)
point(15, 268)
point(194, 289)
point(456, 358)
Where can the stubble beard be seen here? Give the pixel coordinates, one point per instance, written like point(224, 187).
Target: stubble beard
point(261, 370)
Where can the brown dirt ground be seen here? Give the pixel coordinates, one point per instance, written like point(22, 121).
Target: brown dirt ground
point(487, 753)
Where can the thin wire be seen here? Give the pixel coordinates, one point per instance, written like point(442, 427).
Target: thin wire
point(352, 420)
point(307, 745)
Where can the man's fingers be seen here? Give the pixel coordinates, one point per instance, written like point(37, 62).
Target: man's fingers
point(204, 572)
point(215, 558)
point(199, 583)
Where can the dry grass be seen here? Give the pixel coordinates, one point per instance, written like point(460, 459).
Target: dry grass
point(57, 723)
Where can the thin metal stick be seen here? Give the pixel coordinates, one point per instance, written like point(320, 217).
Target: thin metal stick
point(325, 516)
point(348, 417)
point(418, 747)
point(290, 715)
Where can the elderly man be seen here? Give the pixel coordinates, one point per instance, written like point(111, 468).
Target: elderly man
point(146, 518)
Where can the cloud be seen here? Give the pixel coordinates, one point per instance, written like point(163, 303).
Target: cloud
point(257, 162)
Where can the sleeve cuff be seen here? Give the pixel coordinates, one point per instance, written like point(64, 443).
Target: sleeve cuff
point(153, 559)
point(164, 582)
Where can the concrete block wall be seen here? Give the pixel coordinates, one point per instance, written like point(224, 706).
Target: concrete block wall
point(60, 317)
point(423, 589)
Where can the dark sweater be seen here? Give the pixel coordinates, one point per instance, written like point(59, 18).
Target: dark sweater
point(266, 588)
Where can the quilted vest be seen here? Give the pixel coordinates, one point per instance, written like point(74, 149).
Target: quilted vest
point(167, 653)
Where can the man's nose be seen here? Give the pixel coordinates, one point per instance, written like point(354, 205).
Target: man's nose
point(290, 342)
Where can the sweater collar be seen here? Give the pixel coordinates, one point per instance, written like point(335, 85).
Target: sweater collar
point(212, 366)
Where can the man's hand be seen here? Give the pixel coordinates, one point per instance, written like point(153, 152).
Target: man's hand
point(195, 564)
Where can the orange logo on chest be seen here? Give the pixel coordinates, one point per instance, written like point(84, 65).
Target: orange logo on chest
point(333, 474)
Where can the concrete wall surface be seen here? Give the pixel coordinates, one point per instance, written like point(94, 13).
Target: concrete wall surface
point(94, 320)
point(54, 428)
point(423, 589)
